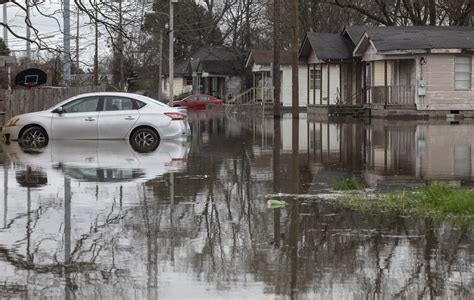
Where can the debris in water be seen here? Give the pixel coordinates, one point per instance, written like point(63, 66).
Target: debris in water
point(276, 203)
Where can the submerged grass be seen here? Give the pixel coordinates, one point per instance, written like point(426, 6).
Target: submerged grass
point(347, 184)
point(437, 200)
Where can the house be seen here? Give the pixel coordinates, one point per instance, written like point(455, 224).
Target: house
point(417, 71)
point(216, 70)
point(260, 63)
point(334, 75)
point(182, 80)
point(422, 68)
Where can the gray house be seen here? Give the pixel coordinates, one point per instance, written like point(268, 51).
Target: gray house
point(418, 71)
point(422, 68)
point(216, 71)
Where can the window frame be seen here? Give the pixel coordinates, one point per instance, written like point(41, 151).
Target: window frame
point(469, 88)
point(97, 108)
point(135, 105)
point(314, 81)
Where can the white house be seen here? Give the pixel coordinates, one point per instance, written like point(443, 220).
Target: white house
point(260, 62)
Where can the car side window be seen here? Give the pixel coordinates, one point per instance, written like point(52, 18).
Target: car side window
point(139, 104)
point(81, 105)
point(118, 103)
point(192, 98)
point(204, 98)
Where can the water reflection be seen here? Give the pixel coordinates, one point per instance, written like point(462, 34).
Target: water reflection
point(112, 223)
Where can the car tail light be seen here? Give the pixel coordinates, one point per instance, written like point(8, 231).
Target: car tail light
point(175, 116)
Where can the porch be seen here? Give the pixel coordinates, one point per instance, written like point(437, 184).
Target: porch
point(214, 85)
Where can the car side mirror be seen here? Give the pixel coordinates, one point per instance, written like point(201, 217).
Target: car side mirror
point(59, 110)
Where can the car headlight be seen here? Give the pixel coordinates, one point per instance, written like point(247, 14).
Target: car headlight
point(12, 122)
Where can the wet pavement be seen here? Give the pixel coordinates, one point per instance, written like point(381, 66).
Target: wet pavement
point(104, 220)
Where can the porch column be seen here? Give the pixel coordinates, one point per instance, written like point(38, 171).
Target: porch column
point(329, 83)
point(364, 74)
point(321, 85)
point(385, 82)
point(340, 83)
point(314, 83)
point(254, 86)
point(307, 97)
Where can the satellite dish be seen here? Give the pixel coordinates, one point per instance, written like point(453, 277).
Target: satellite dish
point(31, 77)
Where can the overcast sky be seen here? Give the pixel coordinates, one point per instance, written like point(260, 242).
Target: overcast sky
point(51, 31)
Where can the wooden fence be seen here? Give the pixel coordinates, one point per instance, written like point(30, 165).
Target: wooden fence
point(22, 101)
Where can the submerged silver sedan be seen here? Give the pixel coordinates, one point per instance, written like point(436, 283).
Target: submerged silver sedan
point(100, 116)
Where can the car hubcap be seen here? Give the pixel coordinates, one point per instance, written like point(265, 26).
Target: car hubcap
point(35, 138)
point(144, 139)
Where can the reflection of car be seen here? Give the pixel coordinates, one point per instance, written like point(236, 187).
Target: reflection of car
point(102, 161)
point(100, 116)
point(198, 101)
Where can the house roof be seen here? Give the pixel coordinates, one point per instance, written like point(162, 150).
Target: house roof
point(265, 57)
point(219, 53)
point(180, 68)
point(327, 46)
point(216, 60)
point(418, 38)
point(219, 67)
point(356, 32)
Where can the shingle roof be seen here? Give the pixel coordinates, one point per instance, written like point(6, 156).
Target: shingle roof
point(330, 45)
point(265, 57)
point(219, 53)
point(220, 67)
point(421, 37)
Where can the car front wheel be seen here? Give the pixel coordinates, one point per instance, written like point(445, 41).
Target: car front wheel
point(144, 140)
point(34, 137)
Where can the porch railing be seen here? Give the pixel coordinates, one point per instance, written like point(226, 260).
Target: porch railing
point(396, 94)
point(253, 95)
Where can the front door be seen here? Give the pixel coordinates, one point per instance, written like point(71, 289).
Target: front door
point(78, 120)
point(117, 118)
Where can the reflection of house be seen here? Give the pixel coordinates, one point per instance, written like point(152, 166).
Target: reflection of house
point(419, 71)
point(261, 64)
point(216, 71)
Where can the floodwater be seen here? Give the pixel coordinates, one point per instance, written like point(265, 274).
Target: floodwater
point(189, 220)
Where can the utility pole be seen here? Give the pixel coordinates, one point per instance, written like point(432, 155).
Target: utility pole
point(77, 40)
point(160, 62)
point(294, 58)
point(67, 42)
point(5, 20)
point(171, 52)
point(96, 54)
point(276, 59)
point(120, 41)
point(28, 31)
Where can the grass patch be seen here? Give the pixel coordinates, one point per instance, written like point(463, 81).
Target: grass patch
point(348, 184)
point(436, 200)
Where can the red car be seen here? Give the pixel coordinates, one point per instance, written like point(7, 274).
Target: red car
point(198, 101)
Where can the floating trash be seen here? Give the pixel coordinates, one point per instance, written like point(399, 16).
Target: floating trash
point(276, 203)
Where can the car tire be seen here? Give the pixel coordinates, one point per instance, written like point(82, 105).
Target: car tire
point(144, 140)
point(34, 137)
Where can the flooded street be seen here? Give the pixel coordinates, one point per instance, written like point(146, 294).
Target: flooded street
point(189, 220)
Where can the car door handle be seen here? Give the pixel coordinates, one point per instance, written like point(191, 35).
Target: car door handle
point(90, 119)
point(129, 118)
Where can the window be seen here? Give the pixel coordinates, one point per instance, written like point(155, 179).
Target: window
point(462, 73)
point(188, 81)
point(204, 98)
point(315, 78)
point(192, 99)
point(139, 104)
point(81, 105)
point(118, 103)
